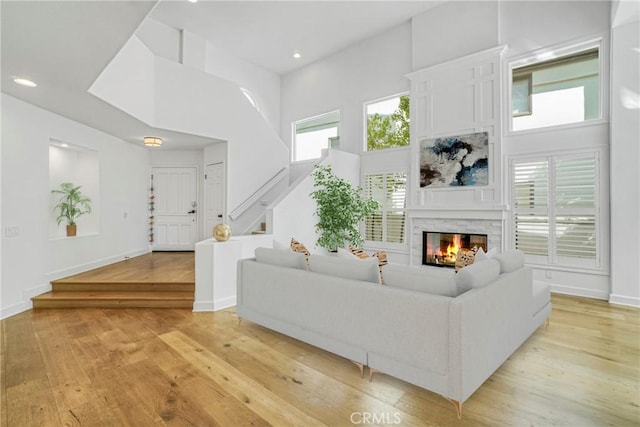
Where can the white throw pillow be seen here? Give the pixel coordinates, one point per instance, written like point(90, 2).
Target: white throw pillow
point(354, 269)
point(481, 255)
point(510, 260)
point(281, 257)
point(477, 275)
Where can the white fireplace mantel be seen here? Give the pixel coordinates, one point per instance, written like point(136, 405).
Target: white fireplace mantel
point(459, 212)
point(488, 219)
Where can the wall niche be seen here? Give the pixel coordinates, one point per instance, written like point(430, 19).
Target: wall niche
point(79, 166)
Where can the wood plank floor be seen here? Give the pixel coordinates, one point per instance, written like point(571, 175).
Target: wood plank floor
point(157, 279)
point(142, 367)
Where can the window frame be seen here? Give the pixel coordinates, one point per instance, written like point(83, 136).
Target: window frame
point(365, 121)
point(548, 54)
point(294, 133)
point(384, 244)
point(553, 260)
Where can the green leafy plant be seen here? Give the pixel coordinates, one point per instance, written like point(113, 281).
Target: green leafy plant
point(339, 207)
point(71, 204)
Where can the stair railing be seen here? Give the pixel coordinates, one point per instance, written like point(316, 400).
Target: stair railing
point(253, 198)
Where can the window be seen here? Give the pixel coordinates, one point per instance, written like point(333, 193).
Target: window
point(555, 215)
point(387, 123)
point(387, 225)
point(311, 136)
point(557, 91)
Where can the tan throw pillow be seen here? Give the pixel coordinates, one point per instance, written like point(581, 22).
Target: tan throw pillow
point(465, 257)
point(381, 255)
point(359, 253)
point(299, 247)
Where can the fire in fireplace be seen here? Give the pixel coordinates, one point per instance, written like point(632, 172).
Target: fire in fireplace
point(440, 249)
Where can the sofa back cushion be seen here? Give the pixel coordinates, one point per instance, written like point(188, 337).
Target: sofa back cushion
point(355, 269)
point(510, 260)
point(419, 279)
point(281, 257)
point(477, 275)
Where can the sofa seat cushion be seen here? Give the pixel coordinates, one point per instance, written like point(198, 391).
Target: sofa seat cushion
point(355, 269)
point(420, 279)
point(281, 257)
point(477, 275)
point(541, 296)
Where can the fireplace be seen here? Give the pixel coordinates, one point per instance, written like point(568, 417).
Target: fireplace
point(440, 249)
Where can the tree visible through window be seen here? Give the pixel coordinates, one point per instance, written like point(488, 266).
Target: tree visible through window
point(388, 123)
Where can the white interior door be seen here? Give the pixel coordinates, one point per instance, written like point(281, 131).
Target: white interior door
point(215, 196)
point(175, 191)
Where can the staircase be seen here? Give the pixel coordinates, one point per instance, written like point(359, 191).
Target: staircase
point(160, 279)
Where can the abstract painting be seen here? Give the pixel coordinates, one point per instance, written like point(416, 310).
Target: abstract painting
point(455, 161)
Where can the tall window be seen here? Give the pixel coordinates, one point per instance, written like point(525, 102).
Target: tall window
point(555, 215)
point(387, 225)
point(562, 90)
point(387, 123)
point(312, 135)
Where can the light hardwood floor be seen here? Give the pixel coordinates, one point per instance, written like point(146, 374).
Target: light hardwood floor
point(142, 367)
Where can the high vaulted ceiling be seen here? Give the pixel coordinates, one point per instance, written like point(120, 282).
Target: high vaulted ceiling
point(64, 45)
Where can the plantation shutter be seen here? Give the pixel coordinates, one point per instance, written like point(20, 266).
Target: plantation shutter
point(555, 211)
point(531, 199)
point(575, 207)
point(396, 189)
point(388, 223)
point(374, 189)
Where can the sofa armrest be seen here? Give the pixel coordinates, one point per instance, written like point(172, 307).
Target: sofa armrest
point(486, 326)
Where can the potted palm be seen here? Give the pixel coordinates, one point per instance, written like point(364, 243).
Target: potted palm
point(71, 205)
point(339, 207)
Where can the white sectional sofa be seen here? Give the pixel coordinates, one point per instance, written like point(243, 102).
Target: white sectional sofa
point(446, 333)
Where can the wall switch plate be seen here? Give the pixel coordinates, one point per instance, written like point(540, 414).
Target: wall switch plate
point(547, 274)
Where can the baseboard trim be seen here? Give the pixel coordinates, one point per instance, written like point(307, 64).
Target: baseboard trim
point(219, 304)
point(15, 309)
point(199, 306)
point(624, 300)
point(223, 303)
point(26, 304)
point(579, 292)
point(81, 268)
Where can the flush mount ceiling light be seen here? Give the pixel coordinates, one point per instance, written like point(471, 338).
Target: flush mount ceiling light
point(152, 141)
point(24, 82)
point(297, 55)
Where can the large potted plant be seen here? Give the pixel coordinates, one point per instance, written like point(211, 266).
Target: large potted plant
point(340, 207)
point(71, 205)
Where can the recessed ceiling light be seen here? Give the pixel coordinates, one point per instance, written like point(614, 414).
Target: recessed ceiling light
point(297, 55)
point(193, 1)
point(24, 82)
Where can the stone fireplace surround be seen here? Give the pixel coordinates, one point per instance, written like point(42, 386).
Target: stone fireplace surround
point(489, 221)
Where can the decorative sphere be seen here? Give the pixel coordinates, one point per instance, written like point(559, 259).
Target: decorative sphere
point(222, 232)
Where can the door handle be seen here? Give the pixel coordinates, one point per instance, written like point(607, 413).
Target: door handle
point(220, 216)
point(192, 211)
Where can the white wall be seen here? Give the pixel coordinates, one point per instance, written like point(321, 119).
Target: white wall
point(364, 72)
point(377, 66)
point(453, 30)
point(31, 259)
point(263, 85)
point(193, 101)
point(625, 158)
point(293, 216)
